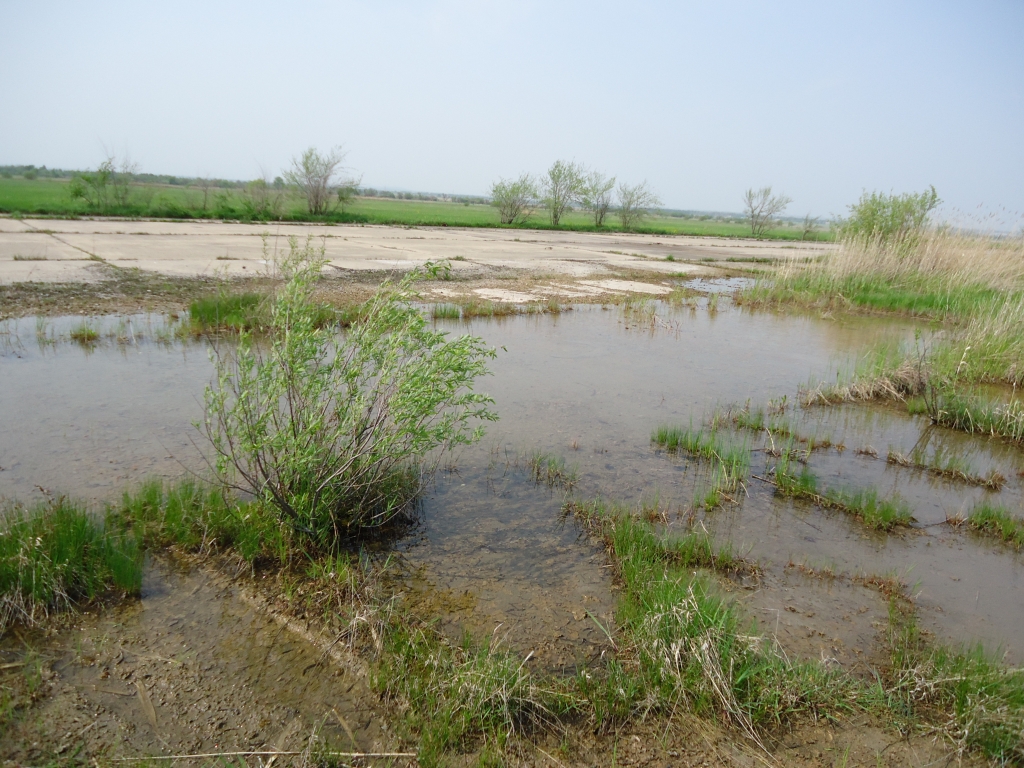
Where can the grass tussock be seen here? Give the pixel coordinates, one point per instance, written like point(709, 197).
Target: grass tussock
point(977, 703)
point(552, 470)
point(729, 463)
point(458, 695)
point(200, 518)
point(229, 311)
point(85, 334)
point(997, 521)
point(56, 555)
point(704, 445)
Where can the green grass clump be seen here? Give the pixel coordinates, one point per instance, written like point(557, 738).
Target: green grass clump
point(198, 517)
point(980, 701)
point(878, 513)
point(446, 312)
point(997, 521)
point(57, 554)
point(461, 694)
point(704, 445)
point(232, 311)
point(85, 334)
point(980, 415)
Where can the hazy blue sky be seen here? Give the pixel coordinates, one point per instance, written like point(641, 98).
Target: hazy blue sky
point(821, 100)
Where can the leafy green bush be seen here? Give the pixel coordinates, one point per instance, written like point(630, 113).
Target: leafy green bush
point(890, 219)
point(338, 433)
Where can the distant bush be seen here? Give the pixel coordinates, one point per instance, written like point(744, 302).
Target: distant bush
point(890, 219)
point(30, 175)
point(514, 198)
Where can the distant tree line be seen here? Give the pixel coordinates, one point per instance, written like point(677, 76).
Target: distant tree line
point(568, 186)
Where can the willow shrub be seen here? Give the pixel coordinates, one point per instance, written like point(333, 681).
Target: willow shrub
point(339, 432)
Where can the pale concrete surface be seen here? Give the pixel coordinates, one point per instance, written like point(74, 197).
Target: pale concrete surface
point(54, 250)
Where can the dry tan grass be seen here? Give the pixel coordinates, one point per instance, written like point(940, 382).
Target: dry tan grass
point(955, 258)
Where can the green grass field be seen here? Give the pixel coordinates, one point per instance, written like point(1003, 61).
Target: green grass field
point(50, 197)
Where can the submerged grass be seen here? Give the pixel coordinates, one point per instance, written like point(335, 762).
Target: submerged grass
point(947, 465)
point(56, 555)
point(552, 470)
point(878, 513)
point(730, 463)
point(85, 334)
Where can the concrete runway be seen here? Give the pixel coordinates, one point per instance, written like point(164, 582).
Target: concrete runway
point(57, 250)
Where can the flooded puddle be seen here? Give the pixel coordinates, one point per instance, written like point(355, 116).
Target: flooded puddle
point(491, 553)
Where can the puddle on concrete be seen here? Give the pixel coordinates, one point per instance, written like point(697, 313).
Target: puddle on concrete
point(490, 553)
point(189, 668)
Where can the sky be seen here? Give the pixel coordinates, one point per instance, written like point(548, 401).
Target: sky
point(822, 101)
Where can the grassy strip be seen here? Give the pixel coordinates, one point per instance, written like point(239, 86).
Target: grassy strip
point(236, 312)
point(199, 518)
point(979, 415)
point(50, 197)
point(757, 420)
point(56, 555)
point(997, 521)
point(688, 647)
point(864, 504)
point(946, 465)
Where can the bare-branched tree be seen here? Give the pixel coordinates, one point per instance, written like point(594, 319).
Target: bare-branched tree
point(635, 203)
point(761, 207)
point(261, 200)
point(318, 176)
point(514, 198)
point(562, 187)
point(810, 227)
point(597, 196)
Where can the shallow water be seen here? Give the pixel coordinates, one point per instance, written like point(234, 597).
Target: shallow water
point(490, 552)
point(218, 674)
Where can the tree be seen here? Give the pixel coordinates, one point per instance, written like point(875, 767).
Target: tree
point(634, 203)
point(561, 188)
point(890, 219)
point(315, 175)
point(761, 207)
point(597, 196)
point(514, 198)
